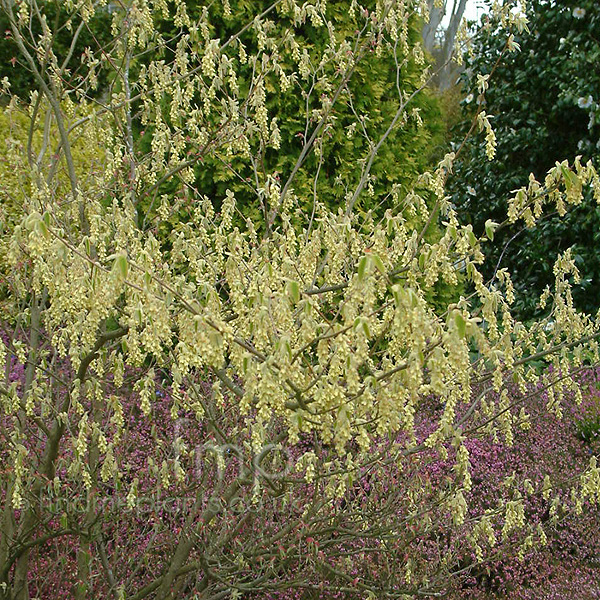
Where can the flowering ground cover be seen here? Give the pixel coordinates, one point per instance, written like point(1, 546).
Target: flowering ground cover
point(138, 530)
point(562, 447)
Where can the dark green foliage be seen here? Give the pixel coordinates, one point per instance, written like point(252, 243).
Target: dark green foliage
point(406, 153)
point(12, 65)
point(588, 429)
point(372, 92)
point(540, 100)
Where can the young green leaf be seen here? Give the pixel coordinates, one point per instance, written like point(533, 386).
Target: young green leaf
point(375, 260)
point(461, 324)
point(490, 228)
point(293, 289)
point(120, 266)
point(363, 267)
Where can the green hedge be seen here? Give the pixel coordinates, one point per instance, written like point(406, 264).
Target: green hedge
point(544, 100)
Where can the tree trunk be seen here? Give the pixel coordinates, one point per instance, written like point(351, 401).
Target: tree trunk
point(442, 48)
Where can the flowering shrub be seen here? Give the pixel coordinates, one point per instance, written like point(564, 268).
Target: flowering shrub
point(20, 141)
point(12, 63)
point(404, 154)
point(268, 407)
point(563, 556)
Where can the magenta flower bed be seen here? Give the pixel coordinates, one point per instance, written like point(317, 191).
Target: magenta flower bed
point(137, 541)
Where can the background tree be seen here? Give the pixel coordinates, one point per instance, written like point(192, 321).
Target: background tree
point(406, 151)
point(544, 102)
point(68, 45)
point(440, 43)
